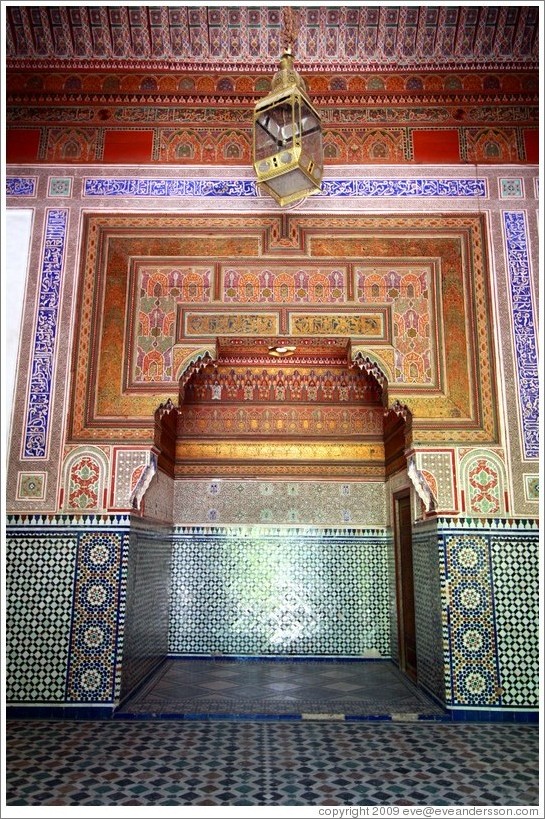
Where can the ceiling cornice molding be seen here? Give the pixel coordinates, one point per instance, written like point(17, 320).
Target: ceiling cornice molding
point(114, 65)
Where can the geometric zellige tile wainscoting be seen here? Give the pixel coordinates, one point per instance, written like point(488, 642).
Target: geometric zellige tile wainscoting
point(65, 601)
point(491, 612)
point(68, 613)
point(287, 592)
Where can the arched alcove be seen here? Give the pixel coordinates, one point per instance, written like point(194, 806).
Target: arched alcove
point(280, 451)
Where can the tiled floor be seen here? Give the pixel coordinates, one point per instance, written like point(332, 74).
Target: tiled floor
point(192, 762)
point(282, 688)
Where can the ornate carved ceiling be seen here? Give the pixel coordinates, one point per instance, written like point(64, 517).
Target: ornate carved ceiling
point(178, 84)
point(223, 37)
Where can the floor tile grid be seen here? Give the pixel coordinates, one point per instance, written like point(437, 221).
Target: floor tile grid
point(238, 763)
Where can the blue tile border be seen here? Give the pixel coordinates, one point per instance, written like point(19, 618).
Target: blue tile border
point(524, 328)
point(60, 712)
point(487, 715)
point(42, 364)
point(21, 186)
point(92, 714)
point(243, 188)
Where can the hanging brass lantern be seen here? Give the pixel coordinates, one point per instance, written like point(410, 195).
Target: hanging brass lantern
point(288, 154)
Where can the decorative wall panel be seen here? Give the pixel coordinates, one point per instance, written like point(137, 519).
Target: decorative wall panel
point(277, 244)
point(482, 475)
point(375, 188)
point(490, 608)
point(31, 485)
point(441, 469)
point(99, 609)
point(127, 467)
point(308, 503)
point(392, 593)
point(85, 478)
point(429, 577)
point(66, 608)
point(259, 593)
point(60, 186)
point(21, 186)
point(524, 328)
point(448, 407)
point(285, 283)
point(515, 568)
point(475, 678)
point(412, 293)
point(158, 502)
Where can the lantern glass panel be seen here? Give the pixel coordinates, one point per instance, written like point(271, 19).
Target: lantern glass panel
point(274, 129)
point(294, 183)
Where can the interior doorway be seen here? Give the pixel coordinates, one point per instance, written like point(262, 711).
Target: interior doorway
point(405, 584)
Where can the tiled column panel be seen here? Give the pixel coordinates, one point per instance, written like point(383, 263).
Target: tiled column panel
point(39, 587)
point(515, 568)
point(491, 608)
point(290, 592)
point(66, 607)
point(98, 615)
point(148, 579)
point(428, 568)
point(392, 591)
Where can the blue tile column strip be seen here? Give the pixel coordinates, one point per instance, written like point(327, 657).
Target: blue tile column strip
point(94, 653)
point(43, 352)
point(244, 188)
point(475, 679)
point(21, 186)
point(524, 330)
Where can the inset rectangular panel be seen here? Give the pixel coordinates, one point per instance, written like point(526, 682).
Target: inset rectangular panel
point(286, 283)
point(372, 325)
point(203, 324)
point(128, 146)
point(268, 450)
point(156, 290)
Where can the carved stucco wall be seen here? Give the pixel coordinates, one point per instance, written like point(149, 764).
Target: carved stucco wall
point(504, 470)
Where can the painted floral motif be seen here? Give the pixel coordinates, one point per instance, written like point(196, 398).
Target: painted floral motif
point(84, 484)
point(31, 485)
point(484, 491)
point(268, 286)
